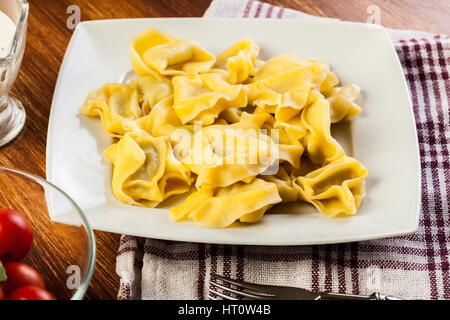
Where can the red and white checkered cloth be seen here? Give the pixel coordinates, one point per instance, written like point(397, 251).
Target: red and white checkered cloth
point(414, 266)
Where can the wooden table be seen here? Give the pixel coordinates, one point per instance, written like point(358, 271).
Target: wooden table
point(48, 37)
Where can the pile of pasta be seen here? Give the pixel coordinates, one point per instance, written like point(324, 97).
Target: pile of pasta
point(180, 85)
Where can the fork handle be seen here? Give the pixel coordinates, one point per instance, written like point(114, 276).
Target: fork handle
point(379, 296)
point(344, 296)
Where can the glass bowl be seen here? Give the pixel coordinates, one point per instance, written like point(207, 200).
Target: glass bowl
point(63, 254)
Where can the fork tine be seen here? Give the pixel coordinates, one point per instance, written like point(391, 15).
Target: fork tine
point(210, 297)
point(257, 288)
point(220, 294)
point(241, 293)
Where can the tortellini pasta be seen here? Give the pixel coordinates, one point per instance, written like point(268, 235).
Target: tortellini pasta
point(285, 185)
point(238, 61)
point(204, 97)
point(115, 104)
point(322, 148)
point(342, 102)
point(156, 52)
point(118, 104)
point(152, 90)
point(225, 154)
point(219, 208)
point(145, 170)
point(334, 189)
point(233, 133)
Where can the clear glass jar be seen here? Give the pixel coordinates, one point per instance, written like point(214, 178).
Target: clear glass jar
point(12, 113)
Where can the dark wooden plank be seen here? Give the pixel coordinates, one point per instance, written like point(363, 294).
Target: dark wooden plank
point(431, 16)
point(48, 37)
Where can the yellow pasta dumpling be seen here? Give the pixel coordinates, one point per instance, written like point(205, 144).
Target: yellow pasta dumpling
point(115, 104)
point(152, 90)
point(335, 189)
point(283, 86)
point(238, 61)
point(155, 52)
point(341, 99)
point(145, 171)
point(280, 64)
point(284, 183)
point(204, 97)
point(225, 154)
point(231, 115)
point(219, 208)
point(162, 120)
point(321, 147)
point(323, 77)
point(291, 153)
point(294, 127)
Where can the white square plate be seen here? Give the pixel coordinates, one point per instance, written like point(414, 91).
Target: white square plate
point(383, 135)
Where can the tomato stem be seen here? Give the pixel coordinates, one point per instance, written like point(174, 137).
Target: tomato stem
point(3, 276)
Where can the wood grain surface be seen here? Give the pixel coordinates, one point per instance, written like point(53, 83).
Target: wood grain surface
point(48, 37)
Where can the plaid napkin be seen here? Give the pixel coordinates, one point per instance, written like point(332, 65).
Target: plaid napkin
point(414, 266)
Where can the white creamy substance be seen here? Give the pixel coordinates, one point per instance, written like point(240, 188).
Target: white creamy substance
point(7, 31)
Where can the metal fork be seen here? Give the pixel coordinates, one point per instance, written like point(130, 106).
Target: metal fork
point(253, 291)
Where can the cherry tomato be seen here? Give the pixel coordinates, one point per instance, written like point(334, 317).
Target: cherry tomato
point(16, 235)
point(2, 295)
point(19, 275)
point(31, 293)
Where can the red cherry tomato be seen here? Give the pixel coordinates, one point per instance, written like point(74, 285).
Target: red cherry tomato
point(31, 293)
point(2, 295)
point(19, 275)
point(16, 235)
